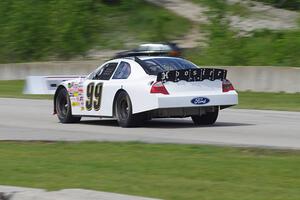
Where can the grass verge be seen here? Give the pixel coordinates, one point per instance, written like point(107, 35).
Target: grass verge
point(154, 170)
point(14, 89)
point(249, 100)
point(269, 101)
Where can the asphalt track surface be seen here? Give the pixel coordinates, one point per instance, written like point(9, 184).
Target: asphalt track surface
point(33, 120)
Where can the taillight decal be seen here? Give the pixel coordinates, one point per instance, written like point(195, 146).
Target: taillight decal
point(158, 88)
point(227, 86)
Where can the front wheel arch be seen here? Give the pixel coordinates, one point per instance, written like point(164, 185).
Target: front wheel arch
point(55, 96)
point(64, 108)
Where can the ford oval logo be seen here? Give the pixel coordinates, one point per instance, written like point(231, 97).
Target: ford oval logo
point(200, 100)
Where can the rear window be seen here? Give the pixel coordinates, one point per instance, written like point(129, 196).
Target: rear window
point(156, 65)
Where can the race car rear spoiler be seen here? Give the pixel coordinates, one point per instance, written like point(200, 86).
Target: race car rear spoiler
point(191, 75)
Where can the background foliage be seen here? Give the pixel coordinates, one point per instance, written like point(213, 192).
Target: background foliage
point(35, 30)
point(290, 4)
point(259, 48)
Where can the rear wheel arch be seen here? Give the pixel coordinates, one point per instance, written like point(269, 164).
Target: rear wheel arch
point(123, 111)
point(115, 99)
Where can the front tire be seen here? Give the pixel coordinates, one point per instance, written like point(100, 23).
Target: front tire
point(63, 107)
point(123, 112)
point(208, 118)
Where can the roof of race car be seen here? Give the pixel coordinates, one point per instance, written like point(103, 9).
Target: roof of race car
point(146, 57)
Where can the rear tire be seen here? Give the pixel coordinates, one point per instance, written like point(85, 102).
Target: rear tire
point(208, 118)
point(123, 112)
point(63, 108)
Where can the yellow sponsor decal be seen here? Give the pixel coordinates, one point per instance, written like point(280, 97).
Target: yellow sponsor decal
point(75, 104)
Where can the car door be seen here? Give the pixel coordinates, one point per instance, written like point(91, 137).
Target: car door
point(94, 87)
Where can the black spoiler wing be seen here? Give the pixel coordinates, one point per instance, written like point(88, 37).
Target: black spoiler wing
point(191, 75)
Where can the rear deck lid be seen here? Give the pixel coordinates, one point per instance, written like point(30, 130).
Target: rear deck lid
point(193, 81)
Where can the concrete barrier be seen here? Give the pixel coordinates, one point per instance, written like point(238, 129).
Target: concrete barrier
point(260, 79)
point(265, 79)
point(22, 70)
point(46, 84)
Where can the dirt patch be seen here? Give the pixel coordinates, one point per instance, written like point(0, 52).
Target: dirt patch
point(194, 13)
point(262, 17)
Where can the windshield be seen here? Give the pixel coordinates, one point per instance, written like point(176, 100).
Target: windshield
point(157, 65)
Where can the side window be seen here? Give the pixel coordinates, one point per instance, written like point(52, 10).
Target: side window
point(106, 72)
point(123, 71)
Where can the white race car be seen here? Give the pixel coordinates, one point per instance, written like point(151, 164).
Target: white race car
point(136, 89)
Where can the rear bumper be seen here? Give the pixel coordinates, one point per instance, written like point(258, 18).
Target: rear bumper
point(222, 99)
point(181, 112)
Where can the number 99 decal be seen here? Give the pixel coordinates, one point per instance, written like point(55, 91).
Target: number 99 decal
point(93, 94)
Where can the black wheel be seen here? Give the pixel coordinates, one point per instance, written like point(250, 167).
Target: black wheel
point(208, 118)
point(123, 112)
point(63, 108)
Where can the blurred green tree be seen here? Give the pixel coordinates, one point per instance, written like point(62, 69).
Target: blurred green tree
point(31, 29)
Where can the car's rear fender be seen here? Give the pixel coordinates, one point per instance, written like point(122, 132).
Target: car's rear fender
point(139, 92)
